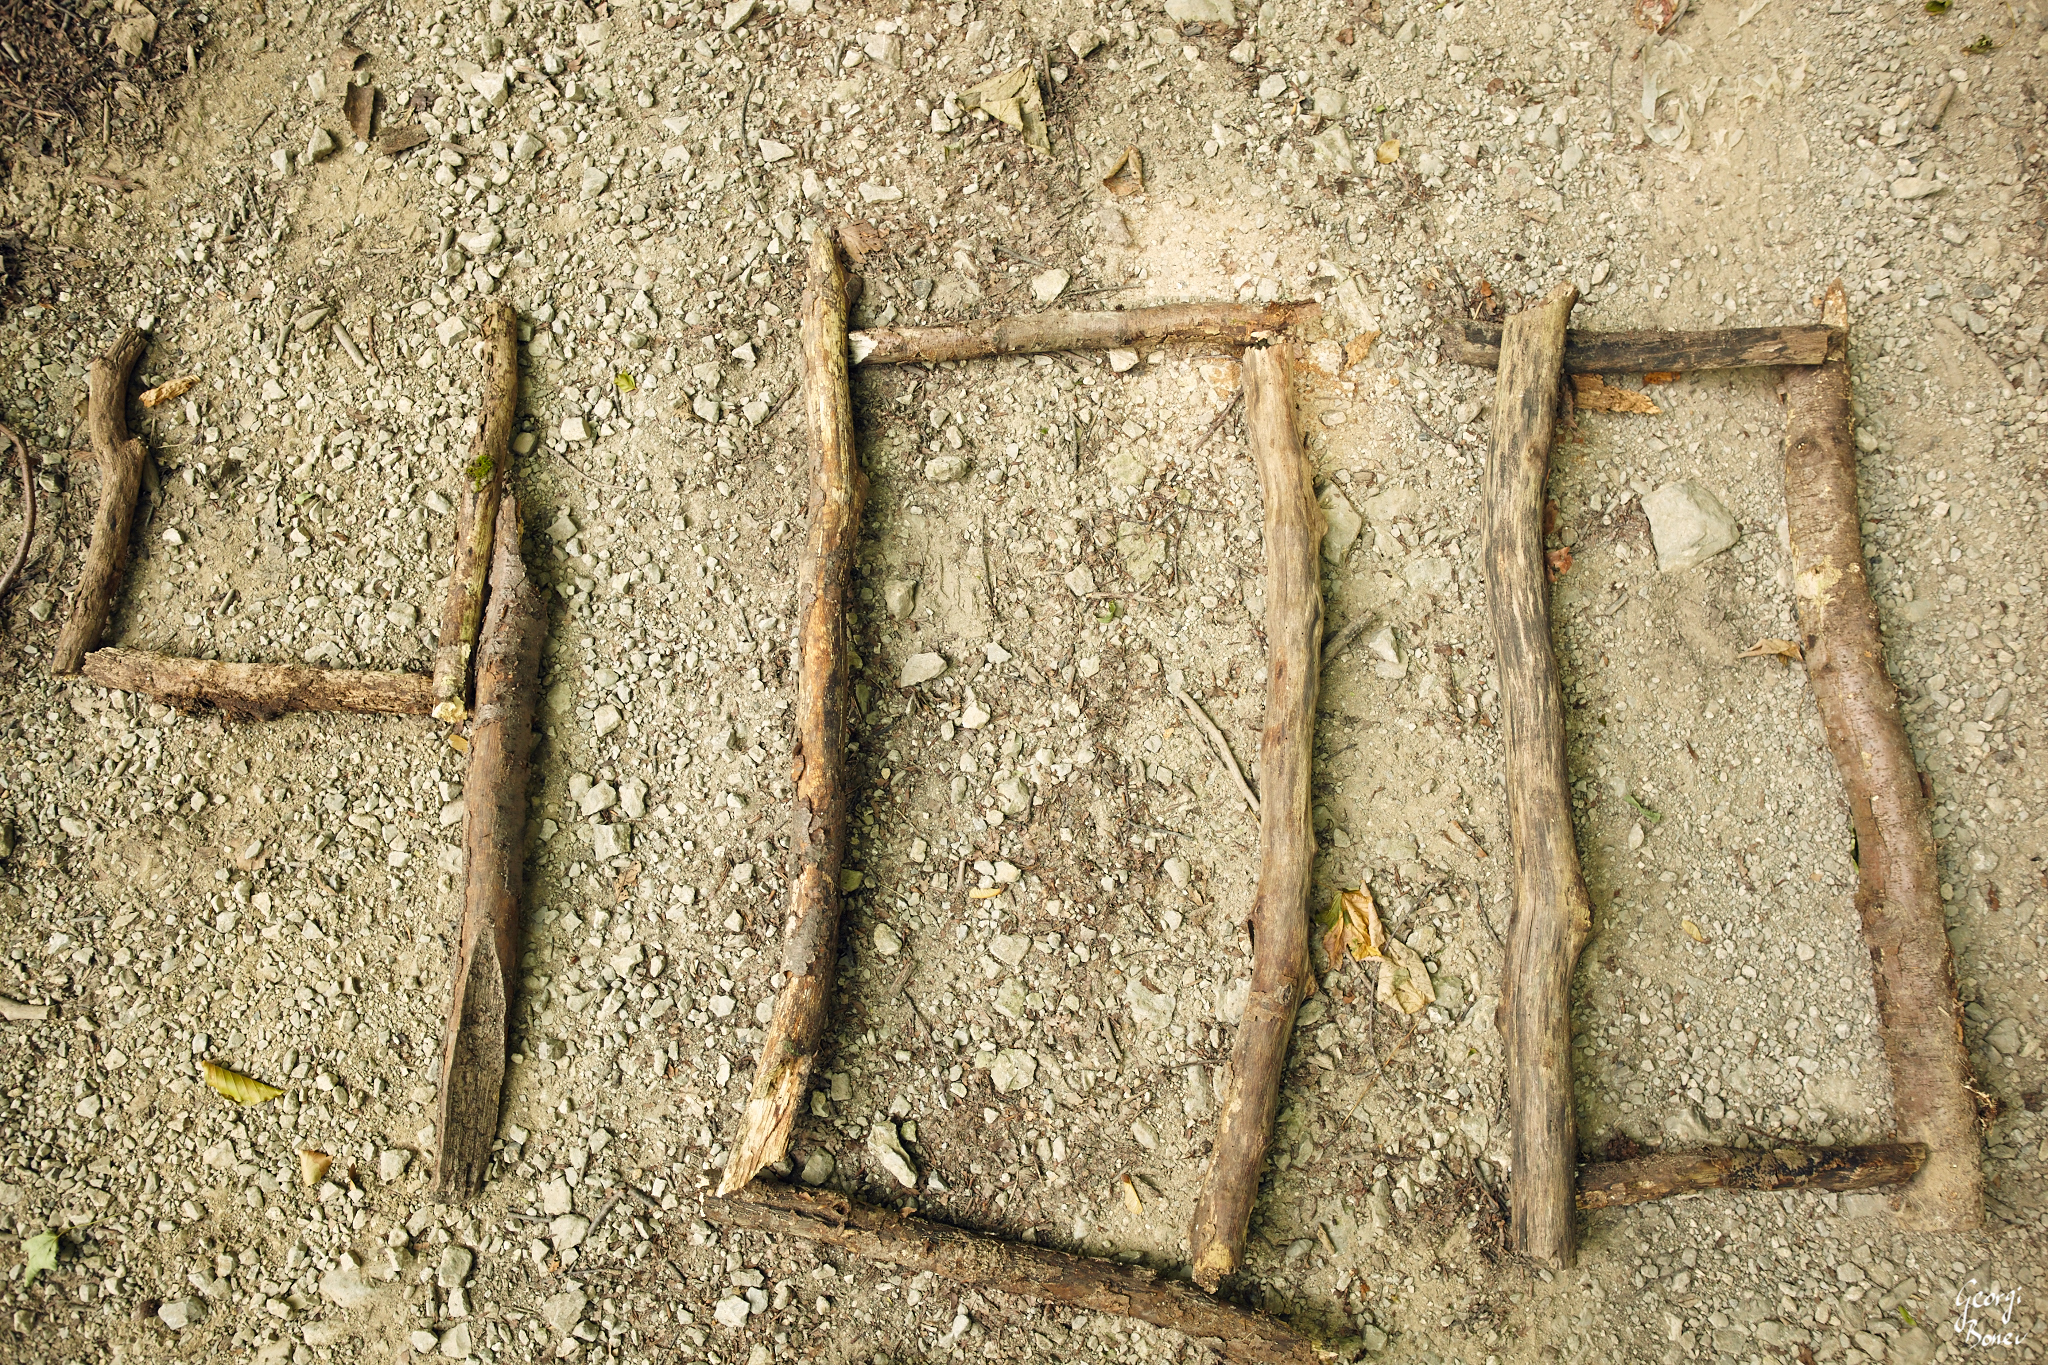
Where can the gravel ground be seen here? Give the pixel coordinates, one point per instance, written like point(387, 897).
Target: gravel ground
point(1046, 946)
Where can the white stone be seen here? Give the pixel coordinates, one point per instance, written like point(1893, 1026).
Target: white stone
point(575, 429)
point(1916, 187)
point(555, 1199)
point(391, 1163)
point(178, 1314)
point(1012, 1070)
point(899, 596)
point(1688, 525)
point(563, 1311)
point(611, 841)
point(1202, 12)
point(1050, 285)
point(818, 1168)
point(887, 1148)
point(1151, 1009)
point(455, 1344)
point(1079, 580)
point(449, 328)
point(887, 941)
point(1009, 949)
point(731, 1311)
point(1119, 361)
point(527, 147)
point(568, 1231)
point(605, 721)
point(737, 12)
point(946, 468)
point(1342, 524)
point(491, 85)
point(921, 668)
point(1147, 1136)
point(773, 151)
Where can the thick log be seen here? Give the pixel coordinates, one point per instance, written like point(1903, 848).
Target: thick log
point(1898, 891)
point(483, 486)
point(1552, 916)
point(1281, 974)
point(120, 456)
point(258, 691)
point(1730, 348)
point(1610, 1184)
point(979, 1261)
point(1227, 324)
point(473, 1045)
point(818, 833)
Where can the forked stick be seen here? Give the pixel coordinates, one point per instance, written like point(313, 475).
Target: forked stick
point(484, 486)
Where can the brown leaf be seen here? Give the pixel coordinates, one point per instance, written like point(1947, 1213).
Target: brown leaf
point(1126, 175)
point(1788, 650)
point(1351, 926)
point(1661, 377)
point(169, 389)
point(1454, 833)
point(1559, 562)
point(1655, 15)
point(1550, 516)
point(1358, 348)
point(237, 1087)
point(1404, 980)
point(1595, 394)
point(403, 139)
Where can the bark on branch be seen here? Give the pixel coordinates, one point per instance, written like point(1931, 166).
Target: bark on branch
point(258, 691)
point(1730, 348)
point(1610, 1184)
point(980, 1261)
point(818, 835)
point(1281, 974)
point(1552, 916)
point(494, 860)
point(1934, 1094)
point(1228, 324)
point(120, 456)
point(483, 487)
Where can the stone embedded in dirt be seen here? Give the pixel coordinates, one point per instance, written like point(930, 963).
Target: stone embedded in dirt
point(1083, 41)
point(899, 597)
point(611, 841)
point(455, 1343)
point(391, 1163)
point(568, 1231)
point(347, 1286)
point(732, 1311)
point(456, 1262)
point(491, 85)
point(946, 468)
point(1049, 285)
point(887, 941)
point(1688, 525)
point(887, 1148)
point(818, 1168)
point(1152, 1009)
point(555, 1198)
point(178, 1314)
point(1079, 580)
point(1120, 361)
point(737, 12)
point(319, 147)
point(1342, 524)
point(1009, 949)
point(561, 1312)
point(1222, 12)
point(1012, 1070)
point(1916, 187)
point(921, 668)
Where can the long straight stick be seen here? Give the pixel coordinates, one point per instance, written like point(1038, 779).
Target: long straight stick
point(259, 691)
point(1229, 324)
point(1727, 348)
point(1281, 974)
point(1552, 916)
point(818, 833)
point(484, 486)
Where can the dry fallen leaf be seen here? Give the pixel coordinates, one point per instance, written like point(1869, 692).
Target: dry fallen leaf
point(1559, 562)
point(1126, 175)
point(1455, 833)
point(984, 893)
point(237, 1087)
point(1388, 152)
point(1692, 931)
point(1655, 15)
point(1358, 348)
point(41, 1253)
point(1661, 377)
point(169, 389)
point(1351, 926)
point(1016, 99)
point(459, 743)
point(313, 1166)
point(1131, 1200)
point(1788, 650)
point(1595, 394)
point(1404, 981)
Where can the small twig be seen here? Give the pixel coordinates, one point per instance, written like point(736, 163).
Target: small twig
point(1017, 256)
point(1220, 745)
point(1209, 432)
point(28, 503)
point(1341, 638)
point(580, 470)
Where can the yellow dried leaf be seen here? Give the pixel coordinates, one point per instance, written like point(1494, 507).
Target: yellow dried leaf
point(1351, 926)
point(1131, 1200)
point(1692, 931)
point(166, 391)
point(1126, 175)
point(1788, 650)
point(1388, 152)
point(984, 893)
point(1404, 980)
point(459, 743)
point(313, 1166)
point(1358, 348)
point(237, 1087)
point(1595, 394)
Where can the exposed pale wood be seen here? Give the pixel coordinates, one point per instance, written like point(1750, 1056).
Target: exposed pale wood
point(484, 484)
point(1610, 1184)
point(1898, 891)
point(258, 691)
point(1552, 917)
point(1729, 348)
point(818, 833)
point(28, 512)
point(1228, 324)
point(473, 1044)
point(885, 1237)
point(1281, 974)
point(120, 456)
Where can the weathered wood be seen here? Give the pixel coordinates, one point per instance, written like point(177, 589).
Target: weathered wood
point(1610, 1184)
point(28, 512)
point(818, 833)
point(1552, 916)
point(473, 1045)
point(980, 1261)
point(1730, 348)
point(1898, 891)
point(1227, 324)
point(484, 485)
point(1281, 974)
point(120, 456)
point(258, 691)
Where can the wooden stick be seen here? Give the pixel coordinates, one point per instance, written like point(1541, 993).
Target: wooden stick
point(1281, 975)
point(1552, 917)
point(1222, 748)
point(259, 691)
point(1731, 348)
point(28, 512)
point(818, 836)
point(1228, 324)
point(1610, 1184)
point(975, 1259)
point(484, 474)
point(120, 458)
point(494, 856)
point(1934, 1094)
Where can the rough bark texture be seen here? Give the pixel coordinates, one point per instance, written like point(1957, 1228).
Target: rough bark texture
point(1898, 893)
point(1731, 348)
point(983, 1262)
point(258, 691)
point(818, 833)
point(494, 859)
point(1609, 1184)
point(120, 458)
point(1281, 974)
point(1230, 324)
point(484, 477)
point(1552, 917)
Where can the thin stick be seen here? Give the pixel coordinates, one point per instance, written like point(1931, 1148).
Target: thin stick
point(259, 691)
point(1898, 896)
point(28, 513)
point(818, 836)
point(485, 475)
point(1281, 975)
point(1731, 348)
point(1230, 324)
point(348, 344)
point(494, 854)
point(1341, 639)
point(979, 1261)
point(120, 458)
point(1610, 1184)
point(1552, 916)
point(1221, 746)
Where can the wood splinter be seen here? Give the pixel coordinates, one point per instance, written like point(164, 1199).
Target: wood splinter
point(1611, 1184)
point(1228, 324)
point(483, 487)
point(1281, 972)
point(258, 691)
point(119, 456)
point(979, 1261)
point(473, 1046)
point(818, 833)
